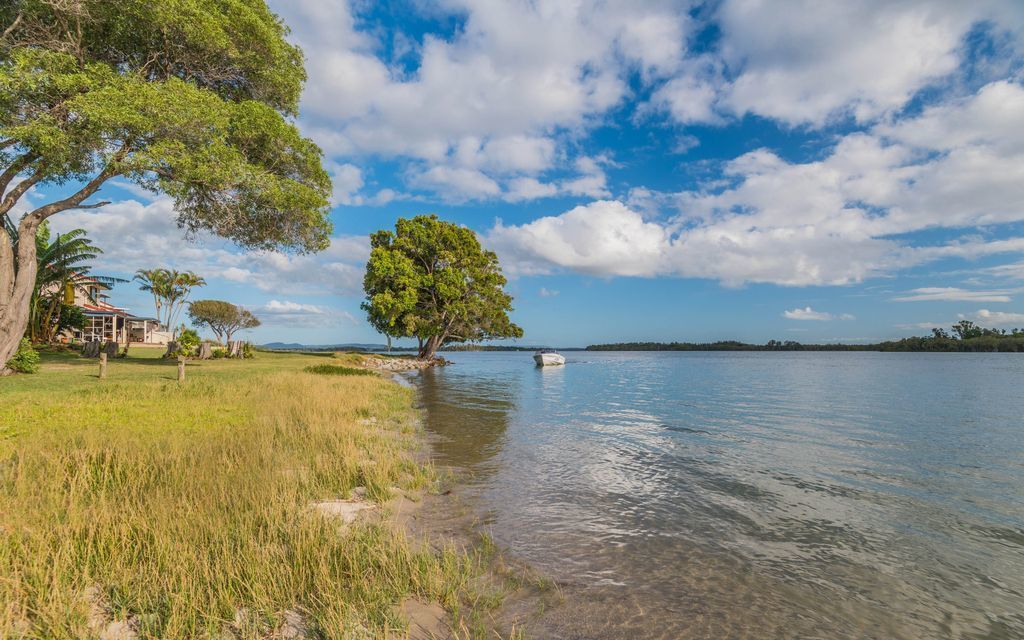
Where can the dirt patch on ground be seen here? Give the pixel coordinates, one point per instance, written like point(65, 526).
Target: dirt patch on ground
point(427, 620)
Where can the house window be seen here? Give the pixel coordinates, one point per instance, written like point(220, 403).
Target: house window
point(96, 328)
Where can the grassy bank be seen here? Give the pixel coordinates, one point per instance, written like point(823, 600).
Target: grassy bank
point(185, 507)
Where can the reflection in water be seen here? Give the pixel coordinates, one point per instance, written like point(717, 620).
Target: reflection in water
point(468, 418)
point(750, 495)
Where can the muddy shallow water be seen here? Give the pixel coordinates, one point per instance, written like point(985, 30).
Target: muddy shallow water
point(675, 495)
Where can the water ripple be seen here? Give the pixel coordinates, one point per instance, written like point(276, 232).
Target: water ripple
point(751, 494)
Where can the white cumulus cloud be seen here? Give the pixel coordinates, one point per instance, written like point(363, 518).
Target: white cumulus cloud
point(808, 313)
point(925, 294)
point(298, 314)
point(998, 318)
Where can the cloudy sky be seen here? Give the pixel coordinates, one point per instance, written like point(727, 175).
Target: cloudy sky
point(651, 170)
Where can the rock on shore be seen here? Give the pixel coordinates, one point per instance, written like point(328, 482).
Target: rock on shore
point(399, 363)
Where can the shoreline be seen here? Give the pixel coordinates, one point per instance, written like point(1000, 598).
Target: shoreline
point(520, 593)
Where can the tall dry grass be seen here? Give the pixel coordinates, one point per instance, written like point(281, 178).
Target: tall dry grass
point(187, 504)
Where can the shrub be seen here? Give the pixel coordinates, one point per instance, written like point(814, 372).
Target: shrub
point(26, 359)
point(219, 352)
point(248, 351)
point(337, 370)
point(188, 342)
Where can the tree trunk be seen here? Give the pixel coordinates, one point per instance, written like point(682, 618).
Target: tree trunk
point(428, 349)
point(91, 349)
point(16, 290)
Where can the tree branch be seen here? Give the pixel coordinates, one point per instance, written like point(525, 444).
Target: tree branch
point(74, 201)
point(9, 30)
point(13, 169)
point(19, 190)
point(96, 205)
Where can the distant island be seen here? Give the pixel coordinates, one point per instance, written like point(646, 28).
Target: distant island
point(964, 337)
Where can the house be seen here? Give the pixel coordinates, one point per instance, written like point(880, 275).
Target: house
point(107, 323)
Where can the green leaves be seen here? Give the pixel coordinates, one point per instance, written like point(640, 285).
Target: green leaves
point(186, 97)
point(235, 49)
point(432, 280)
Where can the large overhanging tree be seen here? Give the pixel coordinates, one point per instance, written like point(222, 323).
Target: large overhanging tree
point(431, 280)
point(191, 98)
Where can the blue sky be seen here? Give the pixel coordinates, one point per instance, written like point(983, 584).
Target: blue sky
point(659, 170)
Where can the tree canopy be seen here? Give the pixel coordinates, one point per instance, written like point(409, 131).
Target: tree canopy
point(191, 98)
point(223, 318)
point(431, 280)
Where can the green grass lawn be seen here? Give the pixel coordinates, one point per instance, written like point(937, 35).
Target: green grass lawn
point(187, 505)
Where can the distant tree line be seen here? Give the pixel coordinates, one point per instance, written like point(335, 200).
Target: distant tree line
point(727, 345)
point(965, 336)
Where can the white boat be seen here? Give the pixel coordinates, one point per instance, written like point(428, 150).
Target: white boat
point(548, 358)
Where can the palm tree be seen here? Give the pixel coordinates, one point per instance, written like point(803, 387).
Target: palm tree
point(182, 284)
point(156, 282)
point(170, 289)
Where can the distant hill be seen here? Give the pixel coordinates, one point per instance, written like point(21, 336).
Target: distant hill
point(350, 346)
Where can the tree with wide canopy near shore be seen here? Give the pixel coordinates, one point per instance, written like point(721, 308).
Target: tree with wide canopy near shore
point(223, 318)
point(194, 99)
point(431, 280)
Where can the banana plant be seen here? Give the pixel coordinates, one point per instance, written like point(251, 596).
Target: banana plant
point(63, 262)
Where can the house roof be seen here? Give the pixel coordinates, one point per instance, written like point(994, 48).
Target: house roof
point(104, 309)
point(93, 311)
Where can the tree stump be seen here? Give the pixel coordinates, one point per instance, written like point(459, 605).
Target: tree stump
point(205, 351)
point(103, 366)
point(110, 349)
point(172, 348)
point(91, 349)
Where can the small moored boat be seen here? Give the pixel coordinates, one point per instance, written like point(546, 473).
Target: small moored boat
point(548, 358)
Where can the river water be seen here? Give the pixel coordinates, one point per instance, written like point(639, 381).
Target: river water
point(761, 495)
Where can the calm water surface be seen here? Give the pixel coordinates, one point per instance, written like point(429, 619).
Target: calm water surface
point(829, 495)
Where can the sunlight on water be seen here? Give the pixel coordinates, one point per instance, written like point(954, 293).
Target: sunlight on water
point(750, 494)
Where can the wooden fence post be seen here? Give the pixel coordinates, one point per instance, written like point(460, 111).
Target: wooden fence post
point(181, 368)
point(103, 366)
